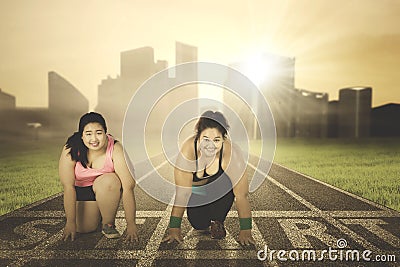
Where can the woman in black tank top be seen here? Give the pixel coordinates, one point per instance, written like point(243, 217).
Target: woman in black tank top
point(209, 175)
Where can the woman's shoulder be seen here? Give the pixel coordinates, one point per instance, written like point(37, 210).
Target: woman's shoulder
point(187, 147)
point(66, 155)
point(227, 146)
point(118, 148)
point(232, 150)
point(66, 150)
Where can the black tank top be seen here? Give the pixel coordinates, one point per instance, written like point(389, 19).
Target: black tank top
point(210, 178)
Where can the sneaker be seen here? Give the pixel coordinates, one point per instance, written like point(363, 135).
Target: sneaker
point(202, 231)
point(217, 230)
point(109, 231)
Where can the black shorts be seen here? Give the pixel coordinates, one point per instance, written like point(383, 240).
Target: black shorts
point(85, 193)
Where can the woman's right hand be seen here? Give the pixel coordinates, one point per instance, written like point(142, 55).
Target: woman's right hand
point(174, 234)
point(69, 231)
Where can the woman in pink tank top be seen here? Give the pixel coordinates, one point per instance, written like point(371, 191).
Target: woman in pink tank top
point(95, 176)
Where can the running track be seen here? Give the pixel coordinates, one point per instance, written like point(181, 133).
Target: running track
point(291, 212)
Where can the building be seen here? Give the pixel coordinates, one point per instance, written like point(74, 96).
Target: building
point(7, 108)
point(15, 122)
point(175, 97)
point(137, 65)
point(66, 105)
point(354, 112)
point(114, 94)
point(274, 76)
point(385, 121)
point(311, 114)
point(333, 119)
point(7, 101)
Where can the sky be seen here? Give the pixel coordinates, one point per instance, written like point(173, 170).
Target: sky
point(336, 44)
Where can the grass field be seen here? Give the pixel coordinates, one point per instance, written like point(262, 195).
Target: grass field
point(369, 168)
point(28, 172)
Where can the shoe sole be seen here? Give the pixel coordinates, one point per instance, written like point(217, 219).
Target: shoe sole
point(111, 236)
point(218, 237)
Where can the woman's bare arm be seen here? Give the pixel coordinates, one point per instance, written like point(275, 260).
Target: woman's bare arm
point(237, 172)
point(67, 177)
point(128, 196)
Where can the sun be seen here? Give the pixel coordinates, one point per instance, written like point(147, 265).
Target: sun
point(258, 68)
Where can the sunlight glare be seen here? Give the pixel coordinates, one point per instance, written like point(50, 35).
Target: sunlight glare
point(258, 68)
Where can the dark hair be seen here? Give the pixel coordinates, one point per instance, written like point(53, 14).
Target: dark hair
point(78, 149)
point(212, 119)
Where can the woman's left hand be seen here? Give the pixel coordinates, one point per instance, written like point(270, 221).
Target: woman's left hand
point(245, 237)
point(131, 233)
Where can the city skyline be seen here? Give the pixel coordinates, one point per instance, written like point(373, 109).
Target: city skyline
point(296, 112)
point(336, 44)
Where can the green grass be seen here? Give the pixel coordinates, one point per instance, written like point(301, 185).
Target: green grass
point(28, 172)
point(369, 168)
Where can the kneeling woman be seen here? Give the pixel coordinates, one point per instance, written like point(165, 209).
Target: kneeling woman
point(209, 175)
point(94, 175)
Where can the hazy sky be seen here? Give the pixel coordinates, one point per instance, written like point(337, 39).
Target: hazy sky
point(336, 43)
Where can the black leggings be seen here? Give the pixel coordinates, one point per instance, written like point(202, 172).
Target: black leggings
point(200, 217)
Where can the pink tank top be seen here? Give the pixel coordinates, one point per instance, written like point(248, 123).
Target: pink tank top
point(86, 176)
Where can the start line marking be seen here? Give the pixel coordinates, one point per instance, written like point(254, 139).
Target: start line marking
point(288, 220)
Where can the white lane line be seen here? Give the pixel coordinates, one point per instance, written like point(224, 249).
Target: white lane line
point(343, 191)
point(120, 225)
point(39, 202)
point(25, 208)
point(138, 180)
point(158, 234)
point(153, 245)
point(360, 240)
point(255, 213)
point(155, 240)
point(71, 254)
point(363, 214)
point(373, 226)
point(200, 254)
point(335, 213)
point(40, 249)
point(138, 254)
point(260, 244)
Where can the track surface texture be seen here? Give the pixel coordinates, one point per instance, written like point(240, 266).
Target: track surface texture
point(291, 212)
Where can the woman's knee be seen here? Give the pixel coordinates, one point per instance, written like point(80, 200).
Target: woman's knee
point(198, 220)
point(87, 228)
point(87, 216)
point(107, 182)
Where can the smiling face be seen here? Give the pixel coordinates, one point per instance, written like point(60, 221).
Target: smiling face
point(210, 142)
point(94, 136)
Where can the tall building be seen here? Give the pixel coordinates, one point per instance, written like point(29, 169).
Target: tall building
point(114, 94)
point(64, 97)
point(66, 104)
point(354, 112)
point(311, 114)
point(274, 75)
point(333, 119)
point(137, 65)
point(7, 101)
point(184, 53)
point(7, 111)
